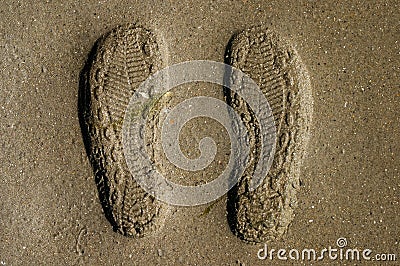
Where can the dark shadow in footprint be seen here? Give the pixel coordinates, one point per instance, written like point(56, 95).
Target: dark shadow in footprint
point(83, 104)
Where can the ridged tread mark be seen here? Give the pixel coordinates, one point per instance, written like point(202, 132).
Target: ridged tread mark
point(266, 213)
point(119, 62)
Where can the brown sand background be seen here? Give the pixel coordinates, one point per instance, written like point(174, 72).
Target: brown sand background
point(49, 208)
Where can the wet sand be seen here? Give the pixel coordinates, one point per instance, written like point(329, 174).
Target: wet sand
point(49, 207)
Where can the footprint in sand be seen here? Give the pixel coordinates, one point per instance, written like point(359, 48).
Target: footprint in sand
point(265, 213)
point(126, 57)
point(119, 63)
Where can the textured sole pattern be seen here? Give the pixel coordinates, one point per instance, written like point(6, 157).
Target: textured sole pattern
point(120, 62)
point(266, 213)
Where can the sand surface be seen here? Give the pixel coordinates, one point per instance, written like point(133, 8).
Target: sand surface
point(49, 208)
